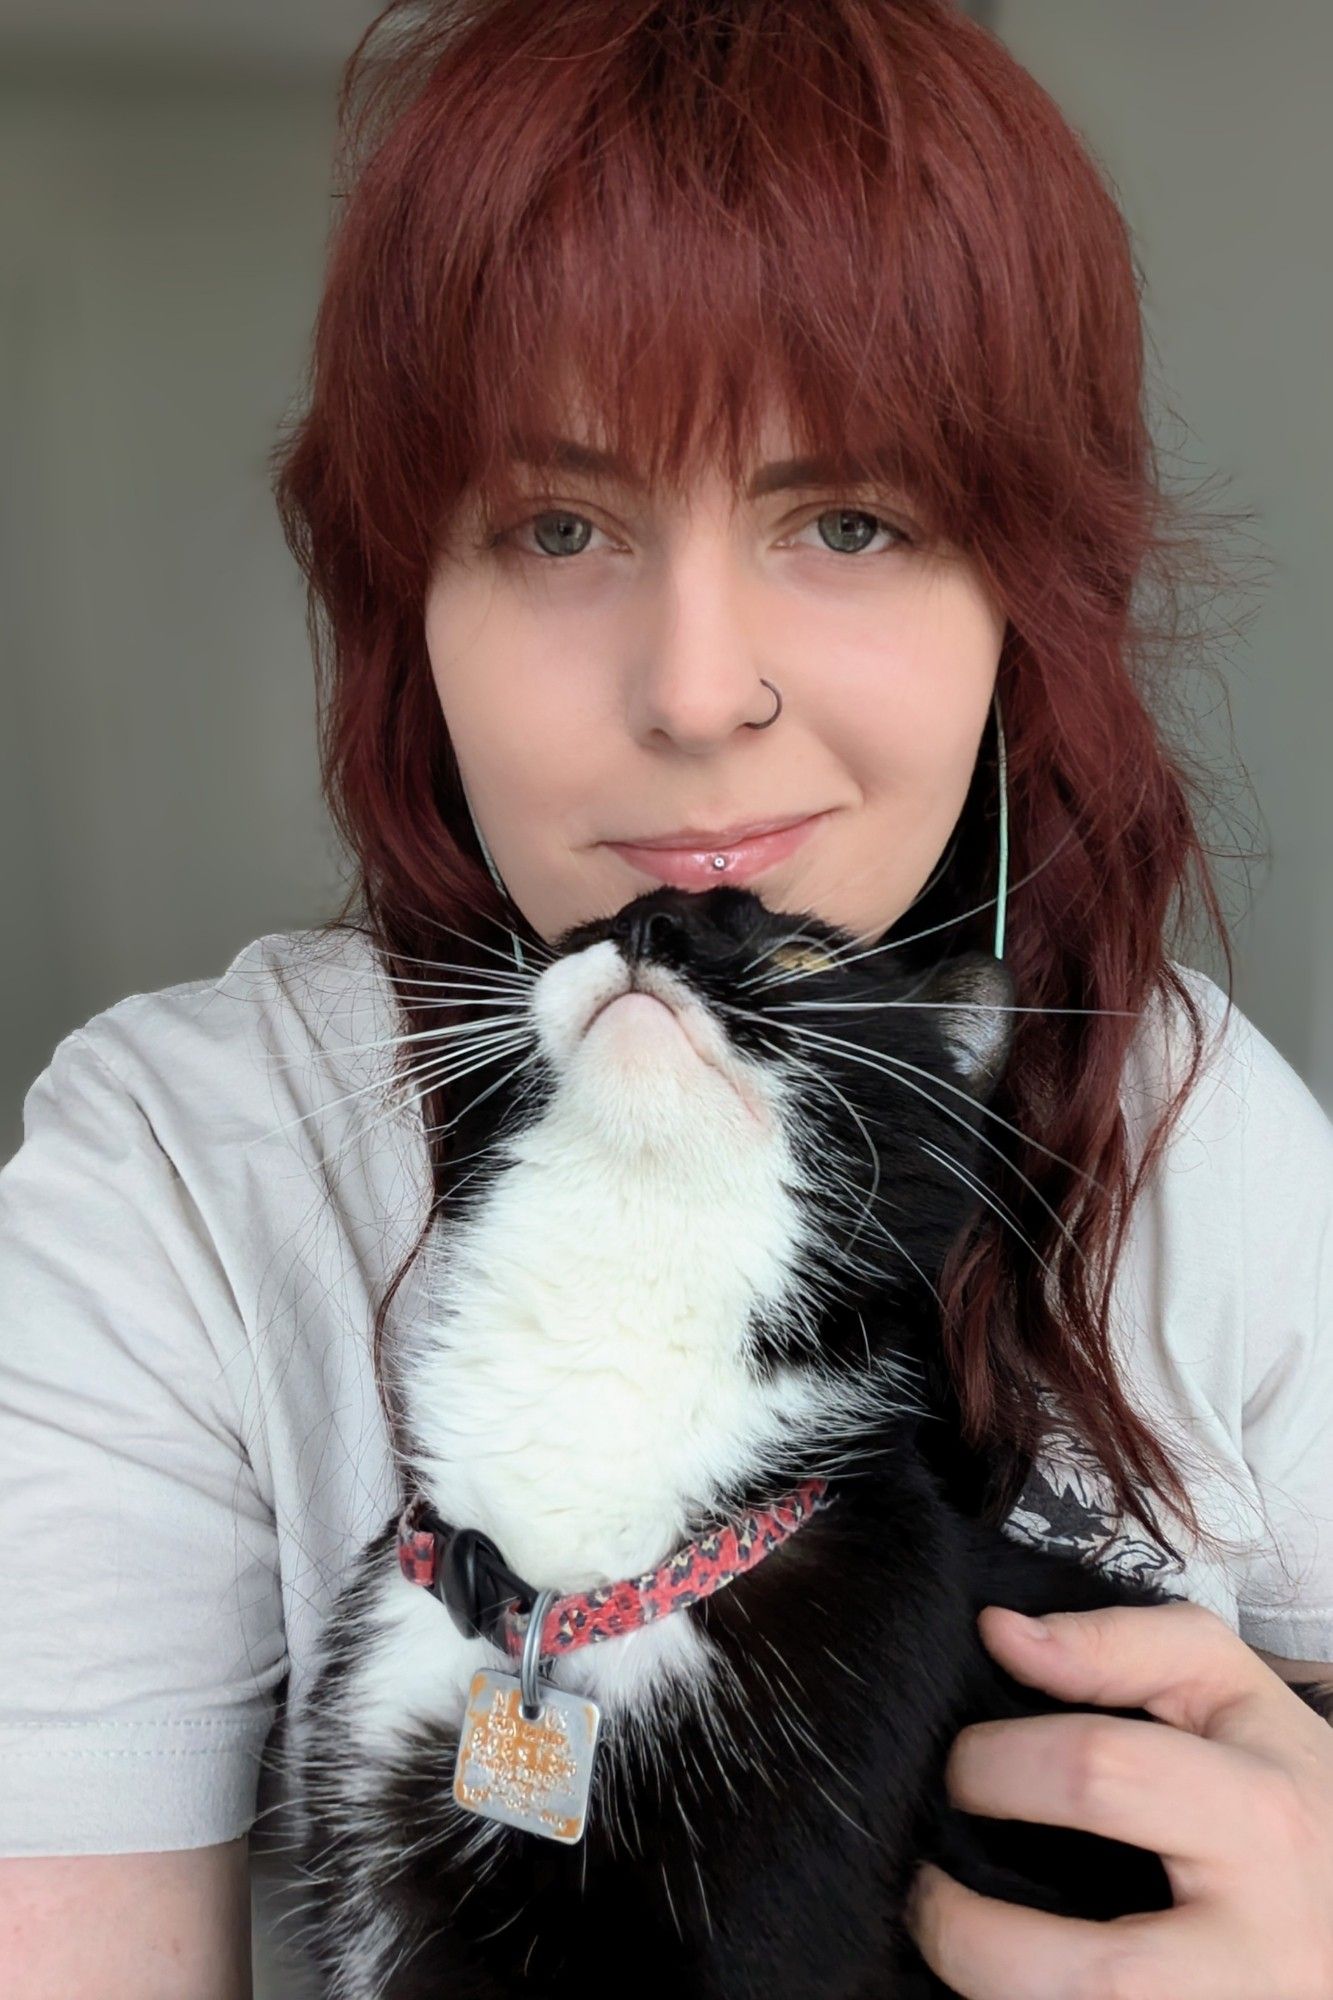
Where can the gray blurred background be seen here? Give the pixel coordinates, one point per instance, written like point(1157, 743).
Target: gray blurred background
point(164, 168)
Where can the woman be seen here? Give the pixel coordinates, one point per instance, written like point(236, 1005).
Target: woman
point(718, 416)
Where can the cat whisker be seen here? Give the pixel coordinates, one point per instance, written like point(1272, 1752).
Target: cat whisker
point(542, 951)
point(843, 960)
point(949, 1006)
point(523, 1090)
point(879, 1062)
point(461, 981)
point(852, 1112)
point(508, 1008)
point(508, 1020)
point(703, 1900)
point(512, 1039)
point(827, 1083)
point(515, 999)
point(448, 1124)
point(874, 1223)
point(507, 975)
point(391, 1086)
point(876, 1057)
point(1002, 1209)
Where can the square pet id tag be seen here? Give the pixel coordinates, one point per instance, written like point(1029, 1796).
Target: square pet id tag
point(525, 1751)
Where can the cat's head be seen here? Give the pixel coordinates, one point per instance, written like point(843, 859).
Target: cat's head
point(698, 1042)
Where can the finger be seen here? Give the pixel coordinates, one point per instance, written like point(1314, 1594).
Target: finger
point(984, 1949)
point(1162, 1789)
point(1179, 1661)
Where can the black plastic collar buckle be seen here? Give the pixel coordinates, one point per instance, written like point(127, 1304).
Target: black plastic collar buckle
point(475, 1586)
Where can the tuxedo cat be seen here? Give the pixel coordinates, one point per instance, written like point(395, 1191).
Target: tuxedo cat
point(691, 1268)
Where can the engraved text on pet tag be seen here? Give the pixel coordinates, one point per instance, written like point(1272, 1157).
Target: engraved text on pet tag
point(532, 1775)
point(526, 1748)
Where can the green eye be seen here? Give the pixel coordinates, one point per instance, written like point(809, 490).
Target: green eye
point(802, 958)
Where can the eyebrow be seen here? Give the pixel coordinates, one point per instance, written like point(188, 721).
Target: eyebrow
point(782, 475)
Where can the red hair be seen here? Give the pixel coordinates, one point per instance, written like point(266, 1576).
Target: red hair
point(871, 210)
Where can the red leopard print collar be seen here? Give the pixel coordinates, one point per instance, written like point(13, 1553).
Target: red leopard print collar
point(467, 1573)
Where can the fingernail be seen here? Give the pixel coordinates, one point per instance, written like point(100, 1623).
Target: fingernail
point(1033, 1628)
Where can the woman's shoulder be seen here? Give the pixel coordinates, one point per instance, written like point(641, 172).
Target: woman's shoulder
point(286, 999)
point(1233, 1227)
point(1229, 1266)
point(288, 1046)
point(313, 985)
point(1246, 1098)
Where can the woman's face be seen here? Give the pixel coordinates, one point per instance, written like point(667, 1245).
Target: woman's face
point(598, 666)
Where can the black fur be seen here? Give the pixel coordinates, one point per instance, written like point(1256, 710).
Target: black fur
point(855, 1651)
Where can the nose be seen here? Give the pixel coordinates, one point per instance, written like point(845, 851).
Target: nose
point(646, 934)
point(702, 647)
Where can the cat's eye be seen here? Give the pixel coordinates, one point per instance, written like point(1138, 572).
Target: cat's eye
point(802, 958)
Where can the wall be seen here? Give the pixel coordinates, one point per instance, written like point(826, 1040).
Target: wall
point(161, 242)
point(1211, 118)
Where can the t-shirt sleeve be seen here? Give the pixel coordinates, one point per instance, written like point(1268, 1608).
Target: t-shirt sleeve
point(1285, 1597)
point(141, 1638)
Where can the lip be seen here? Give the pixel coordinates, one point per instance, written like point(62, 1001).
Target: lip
point(693, 839)
point(690, 864)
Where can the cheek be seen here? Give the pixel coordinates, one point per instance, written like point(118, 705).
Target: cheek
point(502, 703)
point(911, 711)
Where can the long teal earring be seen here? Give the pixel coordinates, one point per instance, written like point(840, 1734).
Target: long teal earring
point(1002, 894)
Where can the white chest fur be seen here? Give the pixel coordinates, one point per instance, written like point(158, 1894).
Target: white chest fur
point(586, 1387)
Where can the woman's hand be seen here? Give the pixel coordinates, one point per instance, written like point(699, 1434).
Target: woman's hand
point(1236, 1797)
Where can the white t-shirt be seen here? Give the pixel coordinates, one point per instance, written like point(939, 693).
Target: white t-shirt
point(211, 1195)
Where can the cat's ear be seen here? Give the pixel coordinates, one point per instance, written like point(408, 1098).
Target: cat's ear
point(976, 997)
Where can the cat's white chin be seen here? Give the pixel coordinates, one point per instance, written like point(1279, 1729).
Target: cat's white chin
point(646, 1065)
